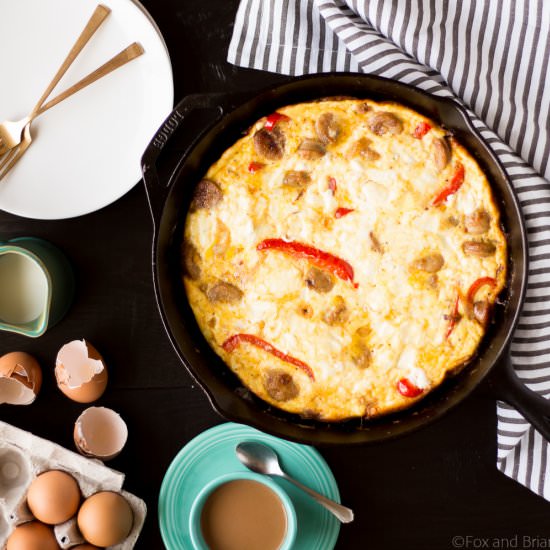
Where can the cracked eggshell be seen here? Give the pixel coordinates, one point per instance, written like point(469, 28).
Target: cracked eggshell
point(20, 378)
point(100, 433)
point(80, 372)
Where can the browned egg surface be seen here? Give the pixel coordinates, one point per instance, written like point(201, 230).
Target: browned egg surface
point(243, 514)
point(344, 257)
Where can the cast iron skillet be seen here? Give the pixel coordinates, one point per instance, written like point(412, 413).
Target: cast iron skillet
point(211, 123)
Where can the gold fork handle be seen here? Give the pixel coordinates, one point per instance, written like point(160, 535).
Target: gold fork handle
point(126, 55)
point(99, 15)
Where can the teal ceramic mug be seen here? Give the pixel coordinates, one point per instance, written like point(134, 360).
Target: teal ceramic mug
point(36, 286)
point(195, 515)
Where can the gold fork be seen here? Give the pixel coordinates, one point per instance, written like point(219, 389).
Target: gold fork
point(12, 157)
point(11, 131)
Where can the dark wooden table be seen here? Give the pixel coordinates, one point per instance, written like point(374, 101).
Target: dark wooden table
point(418, 492)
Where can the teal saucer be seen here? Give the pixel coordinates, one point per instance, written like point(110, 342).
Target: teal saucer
point(212, 453)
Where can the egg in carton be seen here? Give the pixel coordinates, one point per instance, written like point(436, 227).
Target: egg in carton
point(24, 456)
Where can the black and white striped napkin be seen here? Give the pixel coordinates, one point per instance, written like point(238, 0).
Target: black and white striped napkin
point(494, 56)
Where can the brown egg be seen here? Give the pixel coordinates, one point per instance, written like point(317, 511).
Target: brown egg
point(20, 378)
point(85, 547)
point(80, 372)
point(53, 497)
point(105, 519)
point(32, 536)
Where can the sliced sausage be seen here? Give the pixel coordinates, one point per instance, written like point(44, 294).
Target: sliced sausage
point(362, 148)
point(298, 179)
point(270, 144)
point(207, 194)
point(338, 313)
point(311, 149)
point(223, 292)
point(478, 222)
point(190, 260)
point(360, 355)
point(430, 263)
point(481, 249)
point(319, 280)
point(280, 385)
point(441, 153)
point(384, 122)
point(327, 128)
point(482, 312)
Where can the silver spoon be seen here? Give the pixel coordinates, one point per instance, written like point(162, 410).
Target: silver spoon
point(264, 460)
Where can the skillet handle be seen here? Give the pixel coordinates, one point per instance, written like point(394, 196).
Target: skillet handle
point(157, 188)
point(509, 388)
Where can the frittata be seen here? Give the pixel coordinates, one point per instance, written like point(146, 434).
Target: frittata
point(343, 257)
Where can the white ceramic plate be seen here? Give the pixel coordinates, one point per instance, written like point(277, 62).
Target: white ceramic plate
point(86, 151)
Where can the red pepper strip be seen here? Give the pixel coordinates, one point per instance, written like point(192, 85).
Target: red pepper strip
point(272, 120)
point(407, 388)
point(321, 259)
point(341, 212)
point(476, 285)
point(255, 166)
point(454, 318)
point(421, 130)
point(456, 182)
point(332, 184)
point(233, 341)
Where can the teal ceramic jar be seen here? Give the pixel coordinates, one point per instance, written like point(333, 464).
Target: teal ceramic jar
point(36, 286)
point(195, 515)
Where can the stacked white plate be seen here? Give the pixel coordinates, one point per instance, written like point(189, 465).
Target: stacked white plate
point(86, 151)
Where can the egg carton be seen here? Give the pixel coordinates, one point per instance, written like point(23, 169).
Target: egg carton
point(23, 456)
